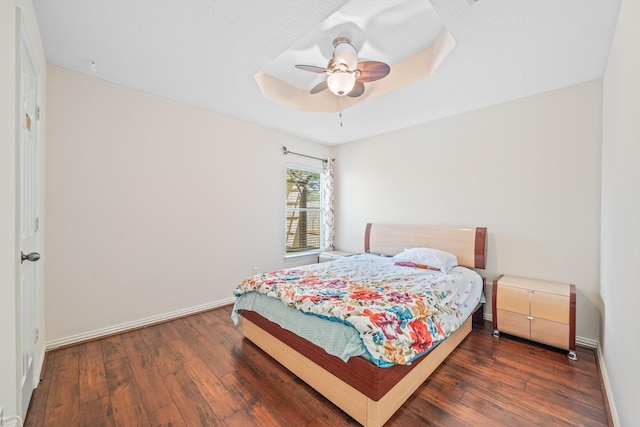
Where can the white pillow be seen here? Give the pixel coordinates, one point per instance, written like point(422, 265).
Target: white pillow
point(434, 258)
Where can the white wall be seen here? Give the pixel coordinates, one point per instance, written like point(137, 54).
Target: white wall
point(528, 170)
point(620, 285)
point(154, 206)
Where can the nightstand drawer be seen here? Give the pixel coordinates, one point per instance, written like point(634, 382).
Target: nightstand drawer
point(550, 333)
point(513, 299)
point(550, 307)
point(513, 323)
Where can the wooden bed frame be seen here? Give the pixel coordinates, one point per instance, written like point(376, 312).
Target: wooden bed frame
point(369, 394)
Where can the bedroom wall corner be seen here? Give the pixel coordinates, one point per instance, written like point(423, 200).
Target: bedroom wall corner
point(528, 170)
point(154, 207)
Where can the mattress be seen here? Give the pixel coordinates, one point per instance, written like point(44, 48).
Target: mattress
point(417, 307)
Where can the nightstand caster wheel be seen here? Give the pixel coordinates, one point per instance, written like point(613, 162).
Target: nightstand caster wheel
point(496, 334)
point(572, 355)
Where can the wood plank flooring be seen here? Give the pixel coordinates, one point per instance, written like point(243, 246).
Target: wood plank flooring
point(199, 371)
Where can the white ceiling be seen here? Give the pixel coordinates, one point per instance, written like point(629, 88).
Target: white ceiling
point(207, 52)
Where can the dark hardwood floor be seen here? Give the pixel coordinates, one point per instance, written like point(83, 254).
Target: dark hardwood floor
point(199, 371)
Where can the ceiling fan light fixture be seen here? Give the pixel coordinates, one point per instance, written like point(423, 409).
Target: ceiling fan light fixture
point(341, 83)
point(346, 75)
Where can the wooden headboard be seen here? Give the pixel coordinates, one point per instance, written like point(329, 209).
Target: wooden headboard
point(468, 244)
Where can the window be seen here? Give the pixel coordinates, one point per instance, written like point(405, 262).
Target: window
point(304, 210)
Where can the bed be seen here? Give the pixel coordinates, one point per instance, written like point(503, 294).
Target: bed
point(370, 384)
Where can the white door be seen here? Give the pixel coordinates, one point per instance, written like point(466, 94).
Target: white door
point(28, 222)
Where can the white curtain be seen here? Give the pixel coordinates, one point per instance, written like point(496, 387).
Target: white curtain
point(327, 208)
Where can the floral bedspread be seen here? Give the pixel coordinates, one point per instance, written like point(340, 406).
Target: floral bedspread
point(400, 312)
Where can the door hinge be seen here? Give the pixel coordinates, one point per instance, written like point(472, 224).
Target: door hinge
point(38, 113)
point(37, 224)
point(36, 335)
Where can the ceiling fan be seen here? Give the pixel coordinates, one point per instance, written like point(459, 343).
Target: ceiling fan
point(346, 75)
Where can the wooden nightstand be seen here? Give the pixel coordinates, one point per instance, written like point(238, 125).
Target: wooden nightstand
point(331, 255)
point(537, 310)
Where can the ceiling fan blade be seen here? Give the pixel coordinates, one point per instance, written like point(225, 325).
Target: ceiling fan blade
point(358, 89)
point(312, 68)
point(319, 87)
point(370, 71)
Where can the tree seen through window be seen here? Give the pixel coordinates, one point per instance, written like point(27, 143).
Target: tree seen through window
point(303, 225)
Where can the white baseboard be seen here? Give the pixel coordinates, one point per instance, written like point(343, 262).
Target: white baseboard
point(51, 345)
point(14, 421)
point(607, 387)
point(587, 342)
